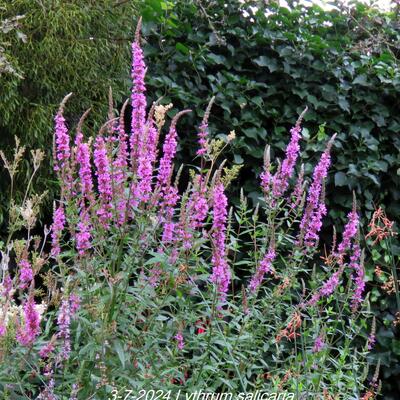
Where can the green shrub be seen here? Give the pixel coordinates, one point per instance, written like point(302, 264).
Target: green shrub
point(69, 46)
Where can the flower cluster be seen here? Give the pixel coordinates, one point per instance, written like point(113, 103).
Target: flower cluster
point(221, 274)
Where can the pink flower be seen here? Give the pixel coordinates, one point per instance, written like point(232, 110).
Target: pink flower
point(26, 273)
point(266, 180)
point(63, 152)
point(7, 286)
point(46, 350)
point(138, 99)
point(169, 201)
point(179, 339)
point(311, 236)
point(67, 311)
point(75, 302)
point(119, 173)
point(102, 164)
point(85, 170)
point(371, 341)
point(221, 274)
point(280, 181)
point(56, 230)
point(63, 321)
point(350, 231)
point(2, 330)
point(196, 210)
point(83, 235)
point(331, 284)
point(357, 276)
point(263, 268)
point(319, 344)
point(146, 162)
point(311, 222)
point(27, 333)
point(203, 130)
point(169, 151)
point(298, 190)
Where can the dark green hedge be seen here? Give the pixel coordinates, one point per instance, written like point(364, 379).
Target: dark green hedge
point(264, 70)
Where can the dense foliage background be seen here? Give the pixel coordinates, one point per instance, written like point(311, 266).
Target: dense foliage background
point(263, 69)
point(68, 46)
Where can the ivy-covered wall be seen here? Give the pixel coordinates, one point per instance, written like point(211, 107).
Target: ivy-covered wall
point(265, 68)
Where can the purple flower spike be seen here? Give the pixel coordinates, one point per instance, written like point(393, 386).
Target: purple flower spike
point(221, 274)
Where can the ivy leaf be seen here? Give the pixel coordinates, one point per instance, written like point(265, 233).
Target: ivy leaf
point(344, 104)
point(264, 61)
point(361, 80)
point(340, 179)
point(218, 59)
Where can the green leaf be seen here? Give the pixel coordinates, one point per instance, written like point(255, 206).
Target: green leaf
point(360, 80)
point(182, 48)
point(120, 351)
point(340, 179)
point(264, 61)
point(344, 104)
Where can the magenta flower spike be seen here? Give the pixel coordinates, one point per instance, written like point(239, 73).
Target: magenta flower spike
point(169, 150)
point(315, 210)
point(297, 194)
point(280, 181)
point(26, 273)
point(119, 170)
point(263, 268)
point(221, 274)
point(27, 333)
point(62, 141)
point(83, 235)
point(69, 307)
point(85, 169)
point(46, 350)
point(203, 130)
point(349, 233)
point(179, 340)
point(138, 98)
point(63, 322)
point(56, 230)
point(103, 174)
point(358, 274)
point(146, 162)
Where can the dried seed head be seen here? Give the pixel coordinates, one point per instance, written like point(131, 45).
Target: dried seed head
point(38, 157)
point(267, 156)
point(159, 114)
point(28, 214)
point(301, 116)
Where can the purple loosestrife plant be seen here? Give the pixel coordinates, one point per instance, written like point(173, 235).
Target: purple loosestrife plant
point(164, 276)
